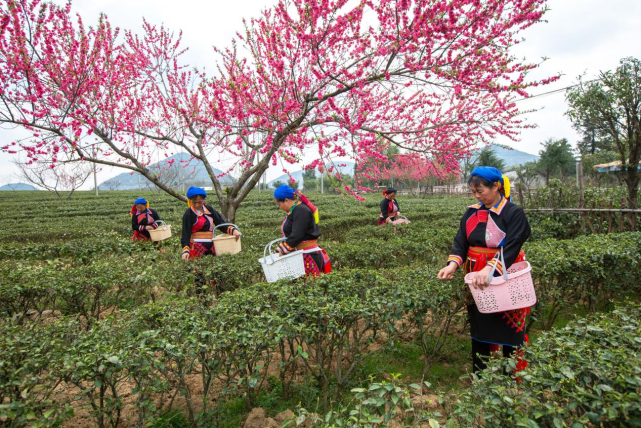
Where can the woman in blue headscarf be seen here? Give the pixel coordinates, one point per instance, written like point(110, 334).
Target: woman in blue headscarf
point(198, 226)
point(143, 219)
point(300, 227)
point(492, 223)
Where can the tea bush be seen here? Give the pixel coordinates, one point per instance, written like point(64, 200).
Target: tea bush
point(120, 325)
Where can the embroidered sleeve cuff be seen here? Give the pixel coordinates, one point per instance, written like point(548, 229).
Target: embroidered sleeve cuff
point(186, 249)
point(285, 249)
point(499, 267)
point(141, 228)
point(456, 259)
point(230, 230)
point(155, 225)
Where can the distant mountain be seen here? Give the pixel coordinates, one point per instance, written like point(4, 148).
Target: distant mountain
point(297, 175)
point(342, 167)
point(17, 187)
point(183, 173)
point(513, 157)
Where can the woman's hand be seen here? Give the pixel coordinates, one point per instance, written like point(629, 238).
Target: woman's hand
point(185, 256)
point(480, 279)
point(447, 272)
point(149, 227)
point(237, 234)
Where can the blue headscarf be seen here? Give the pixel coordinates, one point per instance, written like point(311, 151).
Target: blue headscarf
point(489, 173)
point(196, 191)
point(284, 192)
point(134, 210)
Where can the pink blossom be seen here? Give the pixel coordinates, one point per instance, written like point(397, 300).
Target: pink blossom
point(346, 79)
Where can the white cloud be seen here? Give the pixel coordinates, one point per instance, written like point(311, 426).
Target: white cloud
point(581, 36)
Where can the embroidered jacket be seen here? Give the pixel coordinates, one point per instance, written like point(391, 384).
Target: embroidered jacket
point(298, 226)
point(140, 221)
point(388, 207)
point(204, 222)
point(503, 225)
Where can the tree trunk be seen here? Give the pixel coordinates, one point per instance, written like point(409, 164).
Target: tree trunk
point(228, 210)
point(520, 190)
point(633, 189)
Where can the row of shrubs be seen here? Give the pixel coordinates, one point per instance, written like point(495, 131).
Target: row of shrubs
point(319, 329)
point(587, 374)
point(91, 220)
point(144, 359)
point(118, 326)
point(584, 271)
point(142, 363)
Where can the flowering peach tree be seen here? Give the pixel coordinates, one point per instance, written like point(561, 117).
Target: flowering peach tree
point(348, 79)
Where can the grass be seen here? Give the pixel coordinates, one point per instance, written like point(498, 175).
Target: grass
point(406, 358)
point(456, 362)
point(173, 419)
point(232, 413)
point(305, 394)
point(401, 357)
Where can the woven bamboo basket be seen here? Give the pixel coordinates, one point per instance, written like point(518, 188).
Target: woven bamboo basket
point(227, 244)
point(163, 232)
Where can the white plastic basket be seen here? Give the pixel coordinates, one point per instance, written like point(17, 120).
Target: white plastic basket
point(277, 267)
point(163, 232)
point(515, 290)
point(226, 244)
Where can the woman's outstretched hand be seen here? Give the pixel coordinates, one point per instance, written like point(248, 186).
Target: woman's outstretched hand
point(447, 272)
point(480, 279)
point(237, 234)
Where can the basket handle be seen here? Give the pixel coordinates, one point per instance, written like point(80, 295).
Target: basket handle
point(491, 276)
point(403, 217)
point(270, 248)
point(159, 222)
point(226, 224)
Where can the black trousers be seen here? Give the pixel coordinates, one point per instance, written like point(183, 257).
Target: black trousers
point(482, 349)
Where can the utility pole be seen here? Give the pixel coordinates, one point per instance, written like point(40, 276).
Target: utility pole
point(258, 161)
point(580, 183)
point(95, 178)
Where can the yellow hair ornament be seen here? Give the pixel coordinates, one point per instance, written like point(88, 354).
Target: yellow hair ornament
point(506, 186)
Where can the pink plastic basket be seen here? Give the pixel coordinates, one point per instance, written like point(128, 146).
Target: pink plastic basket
point(515, 290)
